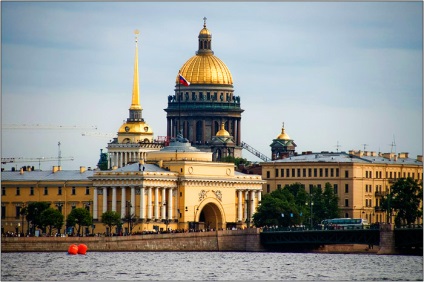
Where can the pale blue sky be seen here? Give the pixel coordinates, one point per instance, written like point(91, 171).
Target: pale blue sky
point(345, 73)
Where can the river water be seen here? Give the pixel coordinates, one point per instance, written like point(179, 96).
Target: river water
point(209, 266)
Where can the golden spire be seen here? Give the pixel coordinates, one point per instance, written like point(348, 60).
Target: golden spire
point(135, 103)
point(283, 135)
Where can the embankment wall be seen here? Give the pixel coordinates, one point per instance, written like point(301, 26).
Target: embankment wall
point(226, 240)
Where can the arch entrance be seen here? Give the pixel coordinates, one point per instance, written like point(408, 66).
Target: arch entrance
point(209, 217)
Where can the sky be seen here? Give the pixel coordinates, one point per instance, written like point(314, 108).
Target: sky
point(340, 75)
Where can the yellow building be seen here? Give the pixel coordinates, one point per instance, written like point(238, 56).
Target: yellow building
point(360, 179)
point(176, 186)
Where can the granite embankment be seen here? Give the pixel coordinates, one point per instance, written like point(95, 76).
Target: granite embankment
point(225, 240)
point(247, 240)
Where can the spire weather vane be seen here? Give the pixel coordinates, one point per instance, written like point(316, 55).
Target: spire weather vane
point(136, 32)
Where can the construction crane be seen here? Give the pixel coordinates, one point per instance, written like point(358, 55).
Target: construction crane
point(255, 152)
point(47, 126)
point(39, 160)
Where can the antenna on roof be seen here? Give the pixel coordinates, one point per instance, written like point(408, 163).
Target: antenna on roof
point(365, 146)
point(338, 146)
point(393, 145)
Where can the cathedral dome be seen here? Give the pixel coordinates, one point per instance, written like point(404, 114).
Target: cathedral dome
point(283, 135)
point(205, 67)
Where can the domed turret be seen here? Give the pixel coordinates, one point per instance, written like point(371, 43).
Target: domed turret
point(222, 132)
point(205, 67)
point(283, 146)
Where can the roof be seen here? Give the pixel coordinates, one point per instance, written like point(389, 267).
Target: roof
point(340, 157)
point(39, 175)
point(135, 167)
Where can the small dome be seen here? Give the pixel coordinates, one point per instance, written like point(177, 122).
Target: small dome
point(205, 31)
point(283, 135)
point(139, 127)
point(222, 132)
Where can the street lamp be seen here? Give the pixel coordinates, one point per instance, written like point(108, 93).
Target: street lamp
point(311, 204)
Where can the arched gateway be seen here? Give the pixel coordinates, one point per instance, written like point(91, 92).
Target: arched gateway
point(209, 216)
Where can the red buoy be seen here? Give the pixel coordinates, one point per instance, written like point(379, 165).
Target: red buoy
point(73, 249)
point(82, 249)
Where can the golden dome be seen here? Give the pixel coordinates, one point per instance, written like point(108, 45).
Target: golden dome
point(283, 135)
point(135, 128)
point(205, 67)
point(222, 132)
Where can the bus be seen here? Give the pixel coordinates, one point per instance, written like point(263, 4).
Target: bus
point(344, 223)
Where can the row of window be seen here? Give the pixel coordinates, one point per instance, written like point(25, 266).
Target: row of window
point(45, 191)
point(319, 186)
point(333, 172)
point(228, 97)
point(307, 172)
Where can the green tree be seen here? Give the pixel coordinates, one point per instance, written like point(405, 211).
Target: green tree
point(111, 219)
point(278, 208)
point(34, 213)
point(326, 203)
point(52, 218)
point(80, 217)
point(405, 199)
point(236, 161)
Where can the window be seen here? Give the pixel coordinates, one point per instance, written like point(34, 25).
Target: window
point(366, 187)
point(310, 172)
point(298, 172)
point(288, 172)
point(332, 172)
point(268, 174)
point(74, 192)
point(315, 172)
point(320, 172)
point(46, 191)
point(337, 172)
point(31, 191)
point(267, 188)
point(370, 188)
point(319, 187)
point(87, 190)
point(293, 172)
point(336, 188)
point(366, 174)
point(59, 190)
point(3, 191)
point(282, 172)
point(311, 186)
point(278, 186)
point(391, 176)
point(326, 172)
point(346, 188)
point(346, 174)
point(346, 202)
point(370, 174)
point(18, 191)
point(17, 211)
point(304, 172)
point(3, 212)
point(276, 172)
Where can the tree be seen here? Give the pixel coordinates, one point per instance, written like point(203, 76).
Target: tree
point(236, 161)
point(80, 217)
point(326, 203)
point(52, 218)
point(278, 208)
point(34, 213)
point(110, 219)
point(405, 198)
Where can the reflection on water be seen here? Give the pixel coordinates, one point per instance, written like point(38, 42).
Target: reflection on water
point(208, 266)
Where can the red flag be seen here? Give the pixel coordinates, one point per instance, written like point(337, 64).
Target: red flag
point(183, 81)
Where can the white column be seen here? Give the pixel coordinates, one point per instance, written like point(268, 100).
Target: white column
point(240, 206)
point(156, 203)
point(142, 203)
point(252, 203)
point(149, 202)
point(104, 199)
point(169, 203)
point(123, 202)
point(132, 200)
point(259, 197)
point(114, 199)
point(246, 201)
point(95, 203)
point(164, 203)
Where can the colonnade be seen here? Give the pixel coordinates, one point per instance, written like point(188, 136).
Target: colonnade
point(249, 207)
point(120, 159)
point(155, 207)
